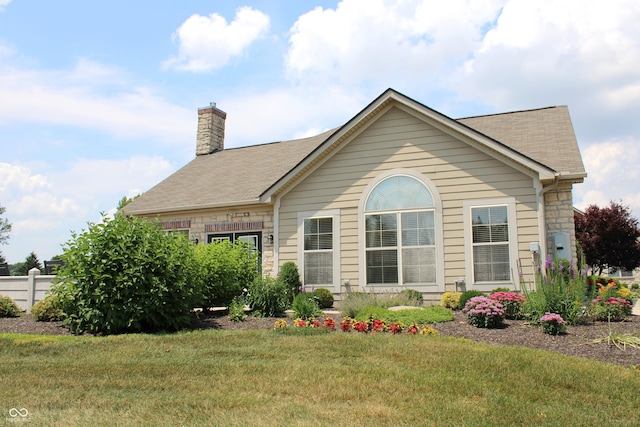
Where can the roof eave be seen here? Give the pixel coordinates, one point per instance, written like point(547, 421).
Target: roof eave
point(195, 207)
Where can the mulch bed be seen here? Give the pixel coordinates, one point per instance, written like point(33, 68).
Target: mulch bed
point(578, 341)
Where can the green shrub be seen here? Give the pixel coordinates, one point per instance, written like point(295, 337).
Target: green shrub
point(354, 302)
point(324, 297)
point(451, 300)
point(236, 310)
point(126, 275)
point(48, 309)
point(269, 297)
point(291, 277)
point(484, 312)
point(561, 290)
point(635, 286)
point(493, 291)
point(434, 314)
point(223, 271)
point(305, 306)
point(467, 295)
point(8, 307)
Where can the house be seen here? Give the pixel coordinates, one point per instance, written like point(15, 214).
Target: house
point(400, 196)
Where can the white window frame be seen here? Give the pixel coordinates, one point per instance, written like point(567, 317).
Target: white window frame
point(334, 214)
point(439, 285)
point(467, 207)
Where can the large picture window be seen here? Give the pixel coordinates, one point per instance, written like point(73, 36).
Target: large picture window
point(400, 236)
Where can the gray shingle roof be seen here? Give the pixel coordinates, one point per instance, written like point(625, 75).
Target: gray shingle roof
point(226, 177)
point(545, 135)
point(241, 175)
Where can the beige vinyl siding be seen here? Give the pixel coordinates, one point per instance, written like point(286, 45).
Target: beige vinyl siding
point(399, 140)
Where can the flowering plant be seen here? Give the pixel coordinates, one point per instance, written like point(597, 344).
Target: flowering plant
point(512, 303)
point(280, 324)
point(428, 330)
point(612, 309)
point(378, 326)
point(329, 323)
point(395, 328)
point(483, 312)
point(346, 324)
point(412, 329)
point(361, 327)
point(552, 324)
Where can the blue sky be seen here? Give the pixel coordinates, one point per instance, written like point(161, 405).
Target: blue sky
point(99, 100)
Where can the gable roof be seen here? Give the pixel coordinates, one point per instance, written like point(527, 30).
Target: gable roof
point(541, 140)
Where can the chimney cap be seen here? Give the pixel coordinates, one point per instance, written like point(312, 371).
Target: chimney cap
point(211, 106)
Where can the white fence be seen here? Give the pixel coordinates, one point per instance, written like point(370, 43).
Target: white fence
point(26, 290)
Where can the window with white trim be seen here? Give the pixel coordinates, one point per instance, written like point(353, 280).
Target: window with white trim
point(400, 237)
point(490, 241)
point(318, 251)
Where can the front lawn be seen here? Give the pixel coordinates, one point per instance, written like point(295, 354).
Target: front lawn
point(263, 378)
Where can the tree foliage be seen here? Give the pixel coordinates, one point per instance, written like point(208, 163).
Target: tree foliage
point(126, 275)
point(608, 237)
point(224, 269)
point(31, 261)
point(5, 229)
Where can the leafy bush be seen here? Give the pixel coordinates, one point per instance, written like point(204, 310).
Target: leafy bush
point(467, 295)
point(290, 276)
point(354, 302)
point(236, 310)
point(451, 300)
point(305, 306)
point(611, 309)
point(223, 270)
point(8, 307)
point(635, 286)
point(269, 297)
point(552, 324)
point(48, 309)
point(324, 297)
point(493, 291)
point(126, 275)
point(512, 303)
point(559, 289)
point(483, 312)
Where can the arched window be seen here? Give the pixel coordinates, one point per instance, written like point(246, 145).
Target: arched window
point(400, 233)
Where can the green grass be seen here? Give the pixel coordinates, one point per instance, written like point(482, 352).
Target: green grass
point(242, 378)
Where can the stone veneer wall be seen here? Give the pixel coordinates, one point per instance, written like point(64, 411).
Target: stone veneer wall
point(559, 216)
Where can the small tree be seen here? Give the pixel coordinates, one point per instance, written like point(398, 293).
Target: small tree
point(31, 261)
point(608, 237)
point(5, 228)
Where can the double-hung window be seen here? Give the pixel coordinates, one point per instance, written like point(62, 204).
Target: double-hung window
point(318, 251)
point(492, 239)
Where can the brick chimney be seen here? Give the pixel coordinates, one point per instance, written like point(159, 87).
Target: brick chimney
point(210, 130)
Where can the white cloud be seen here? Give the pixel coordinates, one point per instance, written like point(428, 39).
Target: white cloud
point(584, 54)
point(3, 3)
point(91, 96)
point(613, 174)
point(209, 42)
point(385, 41)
